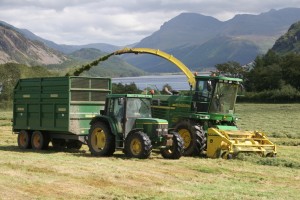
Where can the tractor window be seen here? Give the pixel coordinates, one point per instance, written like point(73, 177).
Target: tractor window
point(224, 98)
point(138, 107)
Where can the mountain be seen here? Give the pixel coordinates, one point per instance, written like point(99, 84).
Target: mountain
point(290, 41)
point(24, 47)
point(14, 47)
point(201, 41)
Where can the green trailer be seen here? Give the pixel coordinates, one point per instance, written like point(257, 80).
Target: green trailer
point(57, 109)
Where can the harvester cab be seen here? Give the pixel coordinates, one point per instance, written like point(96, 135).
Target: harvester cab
point(216, 96)
point(127, 123)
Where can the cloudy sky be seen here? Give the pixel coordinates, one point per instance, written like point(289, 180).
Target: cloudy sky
point(117, 22)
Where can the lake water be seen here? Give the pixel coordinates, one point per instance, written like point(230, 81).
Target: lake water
point(177, 82)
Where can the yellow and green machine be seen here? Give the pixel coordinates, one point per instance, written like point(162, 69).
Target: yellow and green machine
point(127, 123)
point(205, 117)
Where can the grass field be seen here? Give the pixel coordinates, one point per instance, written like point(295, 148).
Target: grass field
point(77, 175)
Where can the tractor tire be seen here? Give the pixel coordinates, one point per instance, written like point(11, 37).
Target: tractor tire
point(175, 151)
point(39, 141)
point(138, 145)
point(101, 141)
point(193, 136)
point(74, 144)
point(24, 140)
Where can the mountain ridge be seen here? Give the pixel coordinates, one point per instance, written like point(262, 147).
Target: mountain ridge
point(251, 34)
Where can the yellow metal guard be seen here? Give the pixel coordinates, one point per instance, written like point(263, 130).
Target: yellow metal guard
point(229, 143)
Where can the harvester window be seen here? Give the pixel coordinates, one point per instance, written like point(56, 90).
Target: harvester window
point(224, 98)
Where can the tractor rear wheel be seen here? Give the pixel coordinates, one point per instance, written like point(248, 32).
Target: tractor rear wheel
point(138, 145)
point(176, 150)
point(193, 136)
point(101, 141)
point(39, 141)
point(24, 140)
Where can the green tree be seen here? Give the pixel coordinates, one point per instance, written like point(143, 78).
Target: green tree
point(119, 88)
point(291, 70)
point(232, 69)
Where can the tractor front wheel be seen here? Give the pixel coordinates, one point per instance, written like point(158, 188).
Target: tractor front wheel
point(176, 150)
point(193, 136)
point(101, 141)
point(138, 145)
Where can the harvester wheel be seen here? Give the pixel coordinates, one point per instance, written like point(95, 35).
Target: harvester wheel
point(138, 145)
point(24, 140)
point(101, 141)
point(193, 136)
point(176, 150)
point(39, 141)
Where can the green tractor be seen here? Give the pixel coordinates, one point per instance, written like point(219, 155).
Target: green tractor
point(127, 123)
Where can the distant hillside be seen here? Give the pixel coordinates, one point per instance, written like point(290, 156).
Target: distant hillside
point(14, 47)
point(290, 41)
point(22, 46)
point(202, 42)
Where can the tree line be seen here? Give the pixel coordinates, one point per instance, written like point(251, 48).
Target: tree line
point(271, 77)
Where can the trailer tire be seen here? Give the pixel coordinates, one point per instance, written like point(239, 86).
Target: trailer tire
point(175, 151)
point(39, 141)
point(24, 140)
point(138, 145)
point(193, 136)
point(101, 141)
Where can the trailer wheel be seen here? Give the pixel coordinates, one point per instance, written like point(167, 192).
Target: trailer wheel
point(175, 151)
point(39, 141)
point(101, 141)
point(193, 136)
point(138, 145)
point(24, 140)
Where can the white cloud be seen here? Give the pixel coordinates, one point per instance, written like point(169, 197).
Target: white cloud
point(115, 21)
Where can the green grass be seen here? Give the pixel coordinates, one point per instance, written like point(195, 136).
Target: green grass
point(77, 175)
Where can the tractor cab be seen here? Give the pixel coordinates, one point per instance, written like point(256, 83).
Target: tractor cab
point(215, 94)
point(132, 112)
